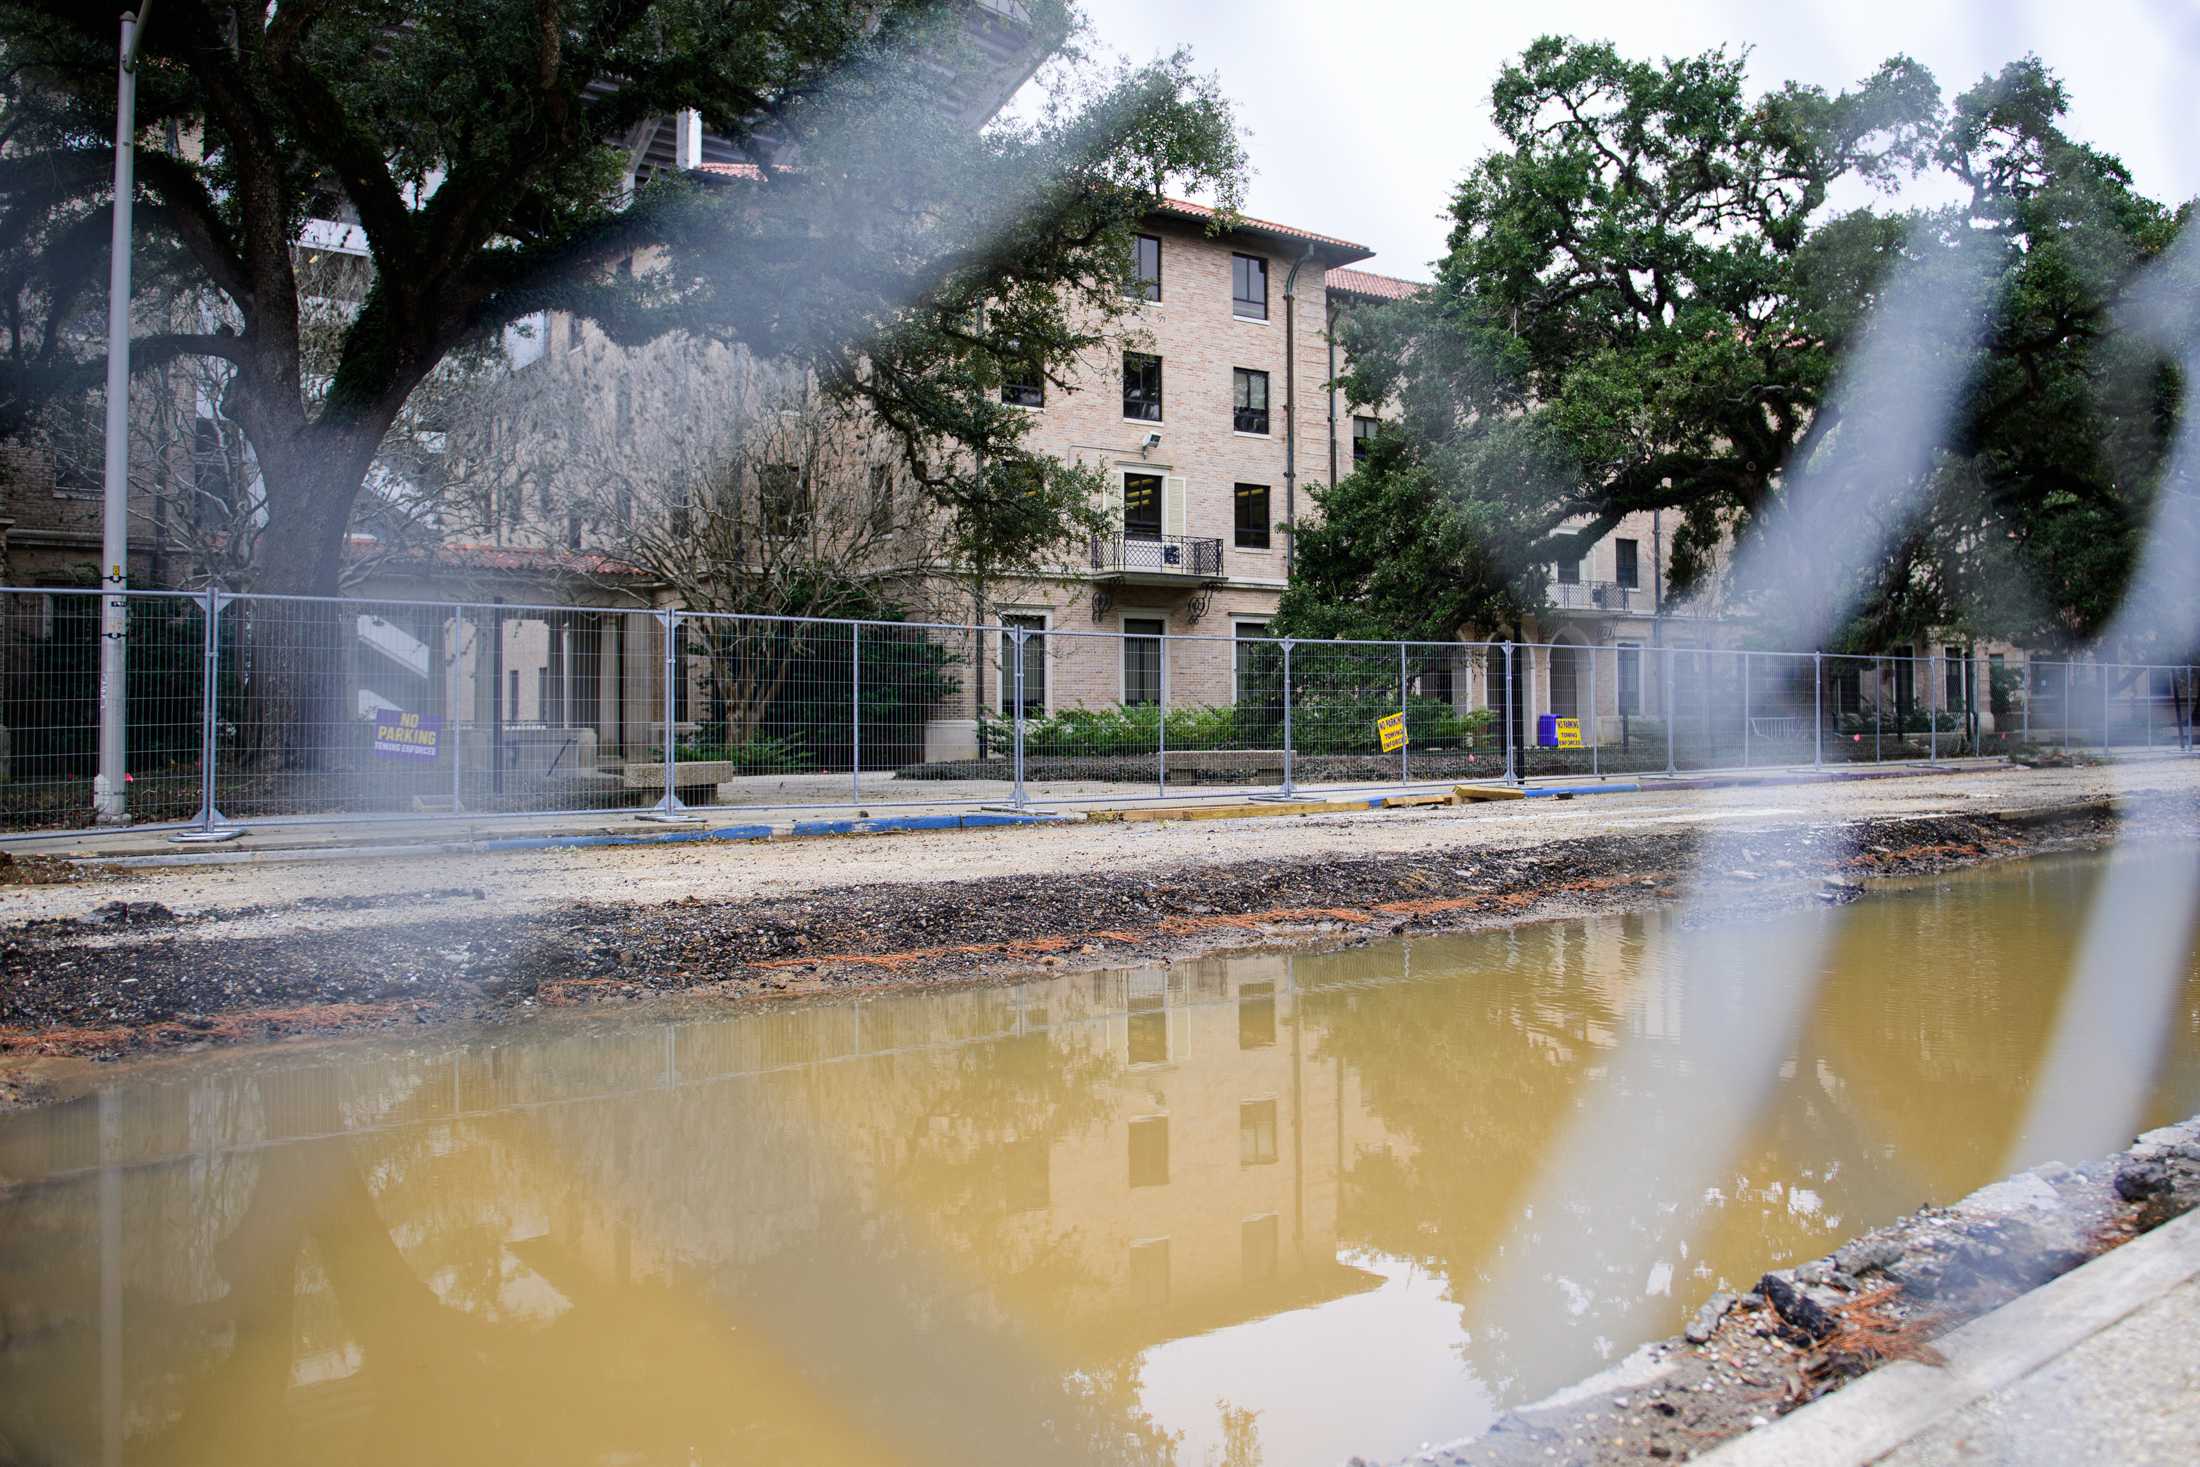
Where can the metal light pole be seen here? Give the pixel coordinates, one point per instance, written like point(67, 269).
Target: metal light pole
point(110, 789)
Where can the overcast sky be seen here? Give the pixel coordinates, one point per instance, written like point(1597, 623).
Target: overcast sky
point(1362, 114)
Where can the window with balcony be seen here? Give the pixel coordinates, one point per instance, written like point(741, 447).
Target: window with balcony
point(1252, 516)
point(1141, 387)
point(1142, 506)
point(1569, 572)
point(1627, 563)
point(1249, 287)
point(1249, 397)
point(1145, 268)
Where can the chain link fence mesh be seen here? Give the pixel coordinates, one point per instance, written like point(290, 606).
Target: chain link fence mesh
point(257, 708)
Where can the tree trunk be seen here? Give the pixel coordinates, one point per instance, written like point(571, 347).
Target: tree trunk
point(297, 686)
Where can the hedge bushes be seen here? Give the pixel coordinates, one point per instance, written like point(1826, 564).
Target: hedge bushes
point(1320, 725)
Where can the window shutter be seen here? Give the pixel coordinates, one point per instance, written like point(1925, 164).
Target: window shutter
point(1172, 505)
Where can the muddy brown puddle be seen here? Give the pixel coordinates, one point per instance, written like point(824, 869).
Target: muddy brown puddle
point(1276, 1208)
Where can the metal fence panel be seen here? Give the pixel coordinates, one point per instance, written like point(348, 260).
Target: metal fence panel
point(49, 705)
point(276, 708)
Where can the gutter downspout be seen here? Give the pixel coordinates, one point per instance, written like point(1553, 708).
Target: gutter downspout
point(1329, 329)
point(1291, 415)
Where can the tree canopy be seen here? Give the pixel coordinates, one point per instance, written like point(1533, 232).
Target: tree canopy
point(880, 235)
point(1649, 301)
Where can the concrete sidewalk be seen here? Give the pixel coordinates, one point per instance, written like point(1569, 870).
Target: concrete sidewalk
point(893, 809)
point(2100, 1366)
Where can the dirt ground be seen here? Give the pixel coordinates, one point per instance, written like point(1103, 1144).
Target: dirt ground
point(104, 964)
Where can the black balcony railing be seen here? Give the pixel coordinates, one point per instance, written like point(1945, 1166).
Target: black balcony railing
point(1600, 596)
point(1168, 555)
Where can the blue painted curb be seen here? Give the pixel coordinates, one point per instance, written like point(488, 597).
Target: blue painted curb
point(881, 825)
point(1548, 791)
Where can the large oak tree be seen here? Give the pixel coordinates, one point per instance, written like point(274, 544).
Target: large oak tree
point(1648, 303)
point(882, 236)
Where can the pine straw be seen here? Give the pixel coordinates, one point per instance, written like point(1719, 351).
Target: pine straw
point(1870, 1335)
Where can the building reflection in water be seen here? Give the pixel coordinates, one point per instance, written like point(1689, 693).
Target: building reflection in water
point(1190, 1214)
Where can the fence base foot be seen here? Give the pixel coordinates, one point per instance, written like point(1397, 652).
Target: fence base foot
point(669, 817)
point(213, 837)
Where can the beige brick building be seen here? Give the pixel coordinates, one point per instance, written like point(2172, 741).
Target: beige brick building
point(1212, 422)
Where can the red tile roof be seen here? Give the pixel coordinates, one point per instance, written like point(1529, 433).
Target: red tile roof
point(1186, 209)
point(1368, 284)
point(1176, 208)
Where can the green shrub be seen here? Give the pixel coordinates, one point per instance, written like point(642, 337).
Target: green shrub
point(1320, 725)
point(761, 755)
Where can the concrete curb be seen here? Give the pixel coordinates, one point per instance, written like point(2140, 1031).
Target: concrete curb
point(1892, 1405)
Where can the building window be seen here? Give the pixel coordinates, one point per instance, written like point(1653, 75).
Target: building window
point(1256, 665)
point(1022, 383)
point(1252, 517)
point(882, 500)
point(1955, 676)
point(511, 711)
point(1142, 660)
point(1628, 563)
point(1249, 400)
point(1147, 1041)
point(1149, 1283)
point(1142, 506)
point(1141, 387)
point(783, 500)
point(1150, 1152)
point(1257, 1236)
point(1257, 1133)
point(1035, 664)
point(572, 333)
point(1256, 1016)
point(1145, 268)
point(1363, 437)
point(1249, 287)
point(1569, 572)
point(1630, 678)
